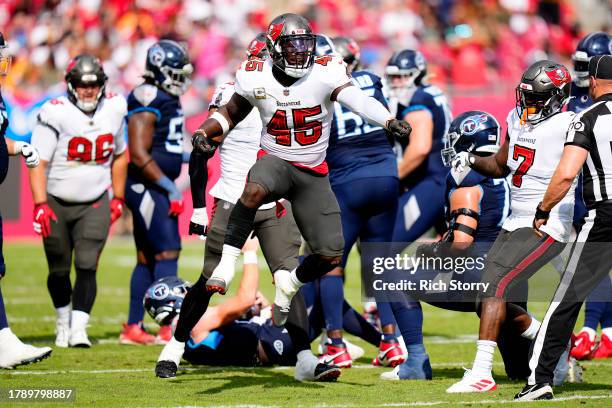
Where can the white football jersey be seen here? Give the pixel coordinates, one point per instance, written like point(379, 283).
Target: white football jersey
point(80, 148)
point(238, 152)
point(533, 155)
point(296, 119)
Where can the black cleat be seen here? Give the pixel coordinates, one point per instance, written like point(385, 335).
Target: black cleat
point(541, 391)
point(326, 372)
point(165, 369)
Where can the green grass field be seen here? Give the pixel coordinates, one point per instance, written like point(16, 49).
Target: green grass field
point(113, 375)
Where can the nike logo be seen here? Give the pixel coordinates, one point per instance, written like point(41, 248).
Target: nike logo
point(525, 392)
point(578, 342)
point(329, 358)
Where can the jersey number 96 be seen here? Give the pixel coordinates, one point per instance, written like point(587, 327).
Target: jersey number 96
point(83, 150)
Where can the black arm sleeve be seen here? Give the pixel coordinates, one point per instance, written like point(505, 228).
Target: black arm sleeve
point(198, 178)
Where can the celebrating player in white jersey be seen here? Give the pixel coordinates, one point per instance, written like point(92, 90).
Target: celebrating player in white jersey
point(294, 92)
point(533, 148)
point(80, 138)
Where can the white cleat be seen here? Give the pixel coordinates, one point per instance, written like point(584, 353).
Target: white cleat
point(79, 338)
point(62, 334)
point(308, 368)
point(285, 290)
point(221, 278)
point(14, 353)
point(472, 383)
point(392, 375)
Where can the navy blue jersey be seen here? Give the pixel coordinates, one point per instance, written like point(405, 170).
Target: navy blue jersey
point(4, 163)
point(431, 99)
point(494, 204)
point(167, 146)
point(358, 149)
point(580, 99)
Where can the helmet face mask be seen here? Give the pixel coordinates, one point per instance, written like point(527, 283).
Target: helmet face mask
point(5, 61)
point(168, 67)
point(86, 82)
point(597, 43)
point(177, 81)
point(291, 44)
point(475, 132)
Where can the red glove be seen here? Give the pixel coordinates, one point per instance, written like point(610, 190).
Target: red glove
point(43, 215)
point(116, 208)
point(176, 208)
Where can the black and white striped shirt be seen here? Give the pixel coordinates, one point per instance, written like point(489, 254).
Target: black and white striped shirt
point(591, 129)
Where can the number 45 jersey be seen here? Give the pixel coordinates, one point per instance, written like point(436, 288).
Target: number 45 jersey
point(80, 148)
point(296, 119)
point(167, 146)
point(533, 155)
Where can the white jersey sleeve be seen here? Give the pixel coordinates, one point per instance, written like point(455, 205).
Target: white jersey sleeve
point(222, 95)
point(45, 134)
point(336, 73)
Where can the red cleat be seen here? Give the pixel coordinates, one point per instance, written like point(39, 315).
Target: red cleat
point(337, 355)
point(390, 354)
point(164, 335)
point(604, 350)
point(582, 346)
point(135, 334)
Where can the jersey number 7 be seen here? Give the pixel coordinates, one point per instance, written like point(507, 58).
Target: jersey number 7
point(305, 132)
point(528, 156)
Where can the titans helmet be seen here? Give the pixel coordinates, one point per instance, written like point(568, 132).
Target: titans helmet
point(5, 59)
point(325, 46)
point(164, 298)
point(168, 67)
point(405, 70)
point(475, 132)
point(597, 43)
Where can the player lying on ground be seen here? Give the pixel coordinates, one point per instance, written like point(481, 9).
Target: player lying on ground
point(273, 225)
point(81, 140)
point(294, 92)
point(533, 147)
point(12, 351)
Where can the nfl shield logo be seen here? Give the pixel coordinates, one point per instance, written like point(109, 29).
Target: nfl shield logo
point(286, 92)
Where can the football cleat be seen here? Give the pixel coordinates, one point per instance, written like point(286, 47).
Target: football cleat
point(164, 335)
point(574, 374)
point(535, 392)
point(604, 350)
point(472, 383)
point(135, 334)
point(221, 277)
point(285, 290)
point(310, 369)
point(78, 338)
point(390, 354)
point(337, 355)
point(583, 348)
point(14, 353)
point(165, 369)
point(62, 334)
point(414, 368)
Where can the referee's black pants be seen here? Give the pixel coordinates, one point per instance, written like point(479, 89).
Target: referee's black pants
point(590, 261)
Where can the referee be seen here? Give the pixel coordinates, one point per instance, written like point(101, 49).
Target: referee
point(588, 146)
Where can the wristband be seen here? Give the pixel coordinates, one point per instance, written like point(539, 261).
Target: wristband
point(540, 213)
point(250, 258)
point(222, 122)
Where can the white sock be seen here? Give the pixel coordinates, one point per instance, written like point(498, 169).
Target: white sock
point(592, 333)
point(63, 314)
point(607, 331)
point(173, 351)
point(79, 320)
point(230, 253)
point(294, 279)
point(532, 330)
point(483, 363)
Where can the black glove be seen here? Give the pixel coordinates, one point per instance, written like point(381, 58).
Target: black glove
point(203, 144)
point(400, 129)
point(197, 229)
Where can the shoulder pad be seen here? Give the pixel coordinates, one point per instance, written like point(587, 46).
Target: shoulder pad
point(117, 102)
point(50, 113)
point(145, 94)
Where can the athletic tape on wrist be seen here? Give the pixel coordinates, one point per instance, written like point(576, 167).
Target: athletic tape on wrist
point(222, 121)
point(250, 258)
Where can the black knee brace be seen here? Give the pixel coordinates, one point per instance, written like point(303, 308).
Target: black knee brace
point(239, 225)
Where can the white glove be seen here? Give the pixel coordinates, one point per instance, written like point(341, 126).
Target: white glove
point(461, 162)
point(29, 153)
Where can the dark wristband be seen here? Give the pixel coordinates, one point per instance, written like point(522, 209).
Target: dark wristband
point(541, 214)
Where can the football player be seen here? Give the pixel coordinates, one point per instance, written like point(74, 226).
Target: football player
point(533, 147)
point(294, 92)
point(420, 167)
point(273, 225)
point(363, 176)
point(595, 312)
point(13, 352)
point(155, 137)
point(80, 137)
